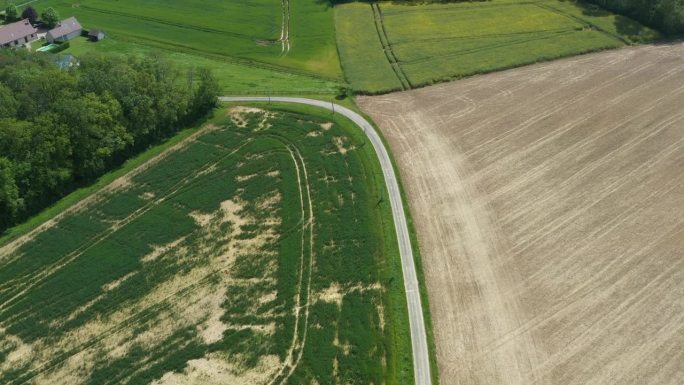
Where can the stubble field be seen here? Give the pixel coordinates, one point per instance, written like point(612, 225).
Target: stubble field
point(549, 208)
point(258, 251)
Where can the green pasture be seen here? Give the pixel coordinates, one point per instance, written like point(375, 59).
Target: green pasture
point(234, 78)
point(439, 42)
point(91, 287)
point(244, 31)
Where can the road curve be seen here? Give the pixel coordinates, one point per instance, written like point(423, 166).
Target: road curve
point(421, 358)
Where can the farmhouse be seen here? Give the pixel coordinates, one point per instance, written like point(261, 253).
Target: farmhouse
point(65, 30)
point(18, 33)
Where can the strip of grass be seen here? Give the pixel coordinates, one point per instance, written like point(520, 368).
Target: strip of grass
point(415, 245)
point(438, 42)
point(234, 79)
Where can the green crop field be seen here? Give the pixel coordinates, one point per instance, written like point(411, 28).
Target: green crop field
point(420, 44)
point(260, 250)
point(241, 31)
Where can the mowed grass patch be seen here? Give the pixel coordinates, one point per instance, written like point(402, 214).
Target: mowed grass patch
point(440, 42)
point(232, 256)
point(233, 78)
point(248, 31)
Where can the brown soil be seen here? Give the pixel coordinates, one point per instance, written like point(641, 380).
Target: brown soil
point(549, 206)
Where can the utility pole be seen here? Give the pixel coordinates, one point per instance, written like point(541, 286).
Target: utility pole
point(333, 106)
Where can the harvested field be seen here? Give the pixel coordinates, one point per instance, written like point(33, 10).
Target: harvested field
point(549, 206)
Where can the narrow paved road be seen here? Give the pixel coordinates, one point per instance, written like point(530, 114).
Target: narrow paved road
point(421, 359)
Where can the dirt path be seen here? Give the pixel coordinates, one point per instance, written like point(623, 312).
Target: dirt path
point(548, 202)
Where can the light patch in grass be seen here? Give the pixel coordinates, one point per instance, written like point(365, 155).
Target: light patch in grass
point(342, 145)
point(244, 178)
point(157, 251)
point(215, 370)
point(114, 284)
point(240, 116)
point(20, 353)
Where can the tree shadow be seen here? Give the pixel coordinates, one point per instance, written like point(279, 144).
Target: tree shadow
point(628, 27)
point(594, 10)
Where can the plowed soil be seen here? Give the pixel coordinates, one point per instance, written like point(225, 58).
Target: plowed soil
point(549, 204)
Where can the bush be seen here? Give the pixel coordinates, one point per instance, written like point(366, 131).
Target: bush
point(60, 46)
point(11, 12)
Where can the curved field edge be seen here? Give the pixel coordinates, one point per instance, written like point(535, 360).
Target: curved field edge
point(350, 103)
point(401, 338)
point(415, 245)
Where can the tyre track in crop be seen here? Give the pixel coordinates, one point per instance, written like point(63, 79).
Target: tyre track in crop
point(387, 47)
point(296, 350)
point(285, 29)
point(63, 262)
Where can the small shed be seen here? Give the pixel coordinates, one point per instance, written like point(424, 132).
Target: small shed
point(96, 35)
point(65, 31)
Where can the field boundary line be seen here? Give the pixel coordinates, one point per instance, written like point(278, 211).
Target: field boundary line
point(419, 346)
point(387, 47)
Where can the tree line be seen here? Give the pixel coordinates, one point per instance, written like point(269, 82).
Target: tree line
point(664, 15)
point(61, 129)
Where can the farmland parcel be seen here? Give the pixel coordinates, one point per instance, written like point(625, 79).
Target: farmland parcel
point(386, 46)
point(259, 251)
point(239, 39)
point(548, 203)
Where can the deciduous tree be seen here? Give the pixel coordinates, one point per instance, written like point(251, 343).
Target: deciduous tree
point(50, 17)
point(30, 13)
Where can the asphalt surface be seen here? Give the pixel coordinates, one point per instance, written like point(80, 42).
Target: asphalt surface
point(421, 358)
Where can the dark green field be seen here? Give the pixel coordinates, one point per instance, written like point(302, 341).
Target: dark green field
point(261, 250)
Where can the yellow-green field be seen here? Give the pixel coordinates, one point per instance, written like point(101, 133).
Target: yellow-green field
point(437, 42)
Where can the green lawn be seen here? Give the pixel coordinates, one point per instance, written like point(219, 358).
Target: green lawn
point(239, 30)
point(234, 78)
point(265, 242)
point(444, 41)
